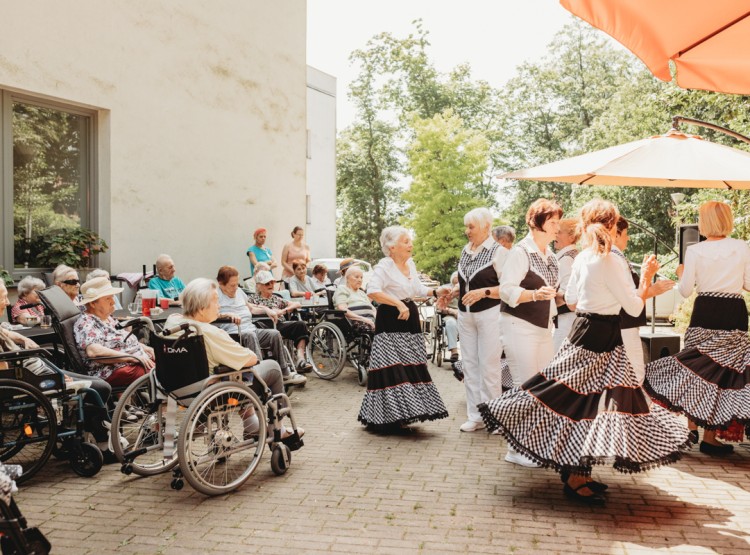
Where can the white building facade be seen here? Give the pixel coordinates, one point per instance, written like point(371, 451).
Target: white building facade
point(178, 127)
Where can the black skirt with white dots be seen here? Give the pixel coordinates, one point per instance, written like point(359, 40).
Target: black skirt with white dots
point(399, 387)
point(586, 408)
point(709, 380)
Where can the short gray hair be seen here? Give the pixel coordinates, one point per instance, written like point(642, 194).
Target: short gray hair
point(29, 284)
point(479, 216)
point(60, 272)
point(504, 232)
point(197, 295)
point(390, 236)
point(97, 272)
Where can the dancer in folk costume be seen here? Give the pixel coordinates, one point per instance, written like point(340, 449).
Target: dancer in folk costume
point(708, 379)
point(399, 387)
point(566, 252)
point(586, 407)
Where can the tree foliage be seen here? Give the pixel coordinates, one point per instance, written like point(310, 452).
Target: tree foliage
point(447, 163)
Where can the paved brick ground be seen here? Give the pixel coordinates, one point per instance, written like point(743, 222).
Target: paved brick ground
point(435, 490)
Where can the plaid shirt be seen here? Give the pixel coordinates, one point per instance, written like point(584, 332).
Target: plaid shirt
point(91, 330)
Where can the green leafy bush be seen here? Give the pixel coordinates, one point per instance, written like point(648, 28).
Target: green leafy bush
point(74, 247)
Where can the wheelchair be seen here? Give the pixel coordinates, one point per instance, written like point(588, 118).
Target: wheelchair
point(437, 338)
point(41, 415)
point(16, 538)
point(179, 418)
point(333, 341)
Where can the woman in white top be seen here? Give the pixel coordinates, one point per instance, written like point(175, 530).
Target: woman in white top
point(566, 252)
point(586, 406)
point(708, 379)
point(528, 290)
point(399, 387)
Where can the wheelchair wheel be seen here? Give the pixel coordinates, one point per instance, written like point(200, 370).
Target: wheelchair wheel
point(138, 425)
point(326, 349)
point(28, 427)
point(216, 455)
point(281, 459)
point(86, 459)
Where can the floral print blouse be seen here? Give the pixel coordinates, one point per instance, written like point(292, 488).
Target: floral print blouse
point(90, 329)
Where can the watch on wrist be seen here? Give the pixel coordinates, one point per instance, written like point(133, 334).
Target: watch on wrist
point(487, 292)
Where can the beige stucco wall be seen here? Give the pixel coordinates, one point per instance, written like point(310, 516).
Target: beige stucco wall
point(201, 117)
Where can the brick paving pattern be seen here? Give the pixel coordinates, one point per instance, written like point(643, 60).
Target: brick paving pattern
point(432, 490)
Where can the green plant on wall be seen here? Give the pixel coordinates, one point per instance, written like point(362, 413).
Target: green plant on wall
point(73, 247)
point(6, 277)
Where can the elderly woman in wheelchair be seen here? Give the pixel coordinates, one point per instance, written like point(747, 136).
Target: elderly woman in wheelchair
point(46, 410)
point(345, 331)
point(209, 407)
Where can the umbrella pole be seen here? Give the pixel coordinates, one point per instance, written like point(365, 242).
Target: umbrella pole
point(676, 120)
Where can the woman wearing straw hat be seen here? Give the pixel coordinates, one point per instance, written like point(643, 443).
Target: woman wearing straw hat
point(96, 336)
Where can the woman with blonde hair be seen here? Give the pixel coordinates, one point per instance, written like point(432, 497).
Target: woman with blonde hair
point(586, 407)
point(708, 379)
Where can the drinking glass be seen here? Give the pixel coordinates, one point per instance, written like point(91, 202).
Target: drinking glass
point(46, 321)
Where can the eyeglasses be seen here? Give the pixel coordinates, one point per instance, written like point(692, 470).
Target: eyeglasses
point(71, 281)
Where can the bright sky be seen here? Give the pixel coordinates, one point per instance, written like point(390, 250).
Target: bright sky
point(494, 36)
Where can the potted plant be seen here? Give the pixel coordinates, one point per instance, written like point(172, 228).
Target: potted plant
point(74, 247)
point(6, 277)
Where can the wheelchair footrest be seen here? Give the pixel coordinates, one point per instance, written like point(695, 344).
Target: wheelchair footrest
point(294, 442)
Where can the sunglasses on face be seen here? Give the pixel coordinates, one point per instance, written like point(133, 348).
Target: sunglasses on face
point(71, 281)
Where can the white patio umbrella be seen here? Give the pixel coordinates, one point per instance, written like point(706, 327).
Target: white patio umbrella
point(674, 159)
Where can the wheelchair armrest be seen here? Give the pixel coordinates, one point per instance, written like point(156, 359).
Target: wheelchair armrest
point(23, 354)
point(136, 323)
point(221, 369)
point(223, 320)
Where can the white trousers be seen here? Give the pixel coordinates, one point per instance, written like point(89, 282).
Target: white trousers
point(631, 338)
point(481, 351)
point(564, 323)
point(528, 348)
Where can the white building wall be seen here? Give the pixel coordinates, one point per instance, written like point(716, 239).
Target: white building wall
point(201, 117)
point(321, 163)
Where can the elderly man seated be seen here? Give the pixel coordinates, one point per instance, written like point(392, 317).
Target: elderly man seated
point(450, 313)
point(233, 302)
point(276, 308)
point(165, 282)
point(200, 303)
point(28, 298)
point(356, 303)
point(300, 283)
point(123, 359)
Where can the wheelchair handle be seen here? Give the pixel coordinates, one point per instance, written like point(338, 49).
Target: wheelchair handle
point(170, 331)
point(136, 323)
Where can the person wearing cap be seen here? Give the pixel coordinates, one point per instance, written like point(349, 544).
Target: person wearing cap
point(344, 265)
point(266, 303)
point(258, 253)
point(165, 283)
point(96, 336)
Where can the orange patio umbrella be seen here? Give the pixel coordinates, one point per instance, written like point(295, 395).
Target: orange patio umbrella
point(708, 40)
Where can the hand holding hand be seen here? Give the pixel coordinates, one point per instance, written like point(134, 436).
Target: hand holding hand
point(661, 286)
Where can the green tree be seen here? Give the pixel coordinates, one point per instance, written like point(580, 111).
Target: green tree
point(447, 163)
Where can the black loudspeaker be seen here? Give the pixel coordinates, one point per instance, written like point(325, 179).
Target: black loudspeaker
point(659, 345)
point(689, 235)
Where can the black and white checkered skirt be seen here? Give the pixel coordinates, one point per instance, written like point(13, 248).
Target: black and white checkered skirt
point(399, 387)
point(709, 380)
point(587, 408)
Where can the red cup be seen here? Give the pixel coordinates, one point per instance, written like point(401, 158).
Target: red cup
point(164, 303)
point(153, 302)
point(146, 307)
point(308, 295)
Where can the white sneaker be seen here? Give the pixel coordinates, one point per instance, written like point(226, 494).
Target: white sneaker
point(471, 426)
point(515, 457)
point(294, 379)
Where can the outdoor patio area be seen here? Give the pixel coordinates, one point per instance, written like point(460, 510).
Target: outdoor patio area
point(434, 490)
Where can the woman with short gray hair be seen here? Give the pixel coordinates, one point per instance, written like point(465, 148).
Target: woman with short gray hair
point(200, 304)
point(27, 307)
point(479, 269)
point(399, 387)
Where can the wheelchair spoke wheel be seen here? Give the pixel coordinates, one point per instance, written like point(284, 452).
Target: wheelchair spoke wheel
point(217, 453)
point(327, 350)
point(28, 427)
point(138, 429)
